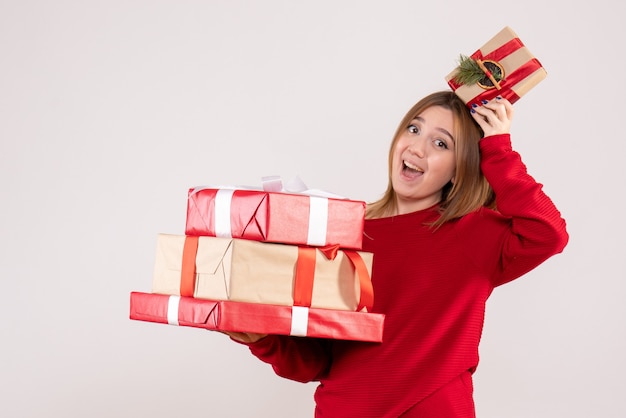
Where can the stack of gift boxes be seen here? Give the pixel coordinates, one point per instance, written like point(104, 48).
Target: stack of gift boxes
point(265, 261)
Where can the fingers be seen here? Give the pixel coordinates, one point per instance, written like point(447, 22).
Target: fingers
point(244, 337)
point(493, 116)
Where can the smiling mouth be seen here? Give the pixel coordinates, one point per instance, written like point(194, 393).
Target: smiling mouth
point(408, 167)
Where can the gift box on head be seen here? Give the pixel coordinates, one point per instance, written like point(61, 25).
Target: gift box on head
point(241, 270)
point(502, 67)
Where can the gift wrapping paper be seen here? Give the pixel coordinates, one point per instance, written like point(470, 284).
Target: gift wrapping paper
point(242, 270)
point(288, 218)
point(256, 318)
point(522, 71)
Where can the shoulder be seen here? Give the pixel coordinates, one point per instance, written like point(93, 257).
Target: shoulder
point(482, 222)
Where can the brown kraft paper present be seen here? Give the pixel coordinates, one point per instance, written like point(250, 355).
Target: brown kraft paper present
point(259, 272)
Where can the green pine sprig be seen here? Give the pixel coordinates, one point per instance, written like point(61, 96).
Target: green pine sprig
point(469, 72)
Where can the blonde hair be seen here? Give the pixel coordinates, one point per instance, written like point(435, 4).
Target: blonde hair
point(470, 190)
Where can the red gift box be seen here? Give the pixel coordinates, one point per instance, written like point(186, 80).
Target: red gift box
point(256, 318)
point(287, 218)
point(505, 53)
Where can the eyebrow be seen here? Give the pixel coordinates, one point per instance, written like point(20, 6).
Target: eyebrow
point(443, 131)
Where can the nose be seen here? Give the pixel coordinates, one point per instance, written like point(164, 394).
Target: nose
point(417, 147)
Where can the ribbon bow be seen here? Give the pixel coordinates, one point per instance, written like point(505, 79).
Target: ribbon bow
point(305, 274)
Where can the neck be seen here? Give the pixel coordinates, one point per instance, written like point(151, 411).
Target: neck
point(404, 206)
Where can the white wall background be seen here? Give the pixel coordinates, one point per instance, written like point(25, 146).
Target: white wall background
point(111, 110)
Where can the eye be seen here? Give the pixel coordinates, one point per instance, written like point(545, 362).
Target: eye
point(413, 129)
point(440, 144)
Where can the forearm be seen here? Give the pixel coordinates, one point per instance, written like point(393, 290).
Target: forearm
point(295, 358)
point(537, 229)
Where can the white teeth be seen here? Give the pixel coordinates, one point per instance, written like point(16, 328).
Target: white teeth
point(412, 167)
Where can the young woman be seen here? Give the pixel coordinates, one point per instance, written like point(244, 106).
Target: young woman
point(460, 216)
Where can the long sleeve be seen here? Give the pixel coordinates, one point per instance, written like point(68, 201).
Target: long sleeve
point(535, 230)
point(300, 359)
point(432, 285)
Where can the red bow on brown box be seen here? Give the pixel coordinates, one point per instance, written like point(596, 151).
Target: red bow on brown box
point(502, 67)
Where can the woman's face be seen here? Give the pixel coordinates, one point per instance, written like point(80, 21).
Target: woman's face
point(423, 160)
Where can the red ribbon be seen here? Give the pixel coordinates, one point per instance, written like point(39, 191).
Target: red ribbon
point(510, 80)
point(305, 274)
point(500, 52)
point(188, 267)
point(330, 251)
point(367, 290)
point(507, 92)
point(303, 281)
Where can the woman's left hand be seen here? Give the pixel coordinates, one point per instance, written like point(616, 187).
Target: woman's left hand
point(494, 116)
point(245, 337)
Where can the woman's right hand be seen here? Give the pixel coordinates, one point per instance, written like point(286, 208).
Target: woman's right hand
point(245, 337)
point(494, 116)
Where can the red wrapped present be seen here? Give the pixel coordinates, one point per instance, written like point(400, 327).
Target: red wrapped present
point(502, 67)
point(242, 270)
point(256, 318)
point(288, 218)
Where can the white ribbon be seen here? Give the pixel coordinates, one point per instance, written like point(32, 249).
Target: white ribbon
point(318, 221)
point(318, 205)
point(274, 184)
point(222, 213)
point(172, 309)
point(299, 321)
